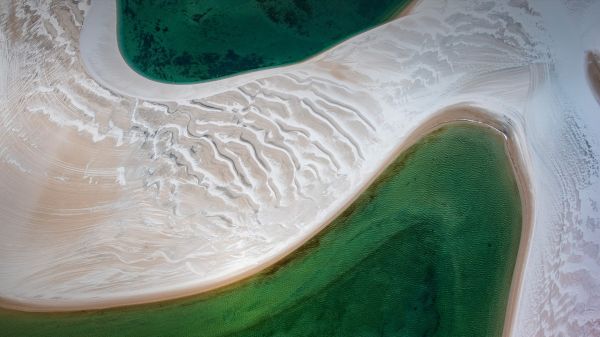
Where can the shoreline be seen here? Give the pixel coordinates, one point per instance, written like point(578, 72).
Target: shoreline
point(389, 16)
point(449, 115)
point(112, 199)
point(101, 58)
point(408, 9)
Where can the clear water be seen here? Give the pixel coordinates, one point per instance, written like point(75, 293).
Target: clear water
point(183, 41)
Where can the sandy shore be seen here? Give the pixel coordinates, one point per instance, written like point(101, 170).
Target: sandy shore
point(447, 116)
point(102, 59)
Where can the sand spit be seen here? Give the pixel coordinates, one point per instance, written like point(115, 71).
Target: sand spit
point(121, 190)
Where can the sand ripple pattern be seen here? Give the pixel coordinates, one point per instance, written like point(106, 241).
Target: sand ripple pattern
point(104, 193)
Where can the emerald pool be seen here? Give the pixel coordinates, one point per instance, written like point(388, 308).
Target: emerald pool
point(184, 41)
point(427, 250)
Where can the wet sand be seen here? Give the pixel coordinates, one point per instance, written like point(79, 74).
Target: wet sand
point(406, 10)
point(593, 72)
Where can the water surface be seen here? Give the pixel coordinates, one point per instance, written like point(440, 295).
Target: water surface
point(428, 250)
point(183, 41)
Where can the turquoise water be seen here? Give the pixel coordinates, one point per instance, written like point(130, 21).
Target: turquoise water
point(183, 41)
point(428, 250)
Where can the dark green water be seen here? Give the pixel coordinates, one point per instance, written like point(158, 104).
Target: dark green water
point(183, 41)
point(428, 250)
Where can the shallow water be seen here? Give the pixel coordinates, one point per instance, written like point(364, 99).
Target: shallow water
point(427, 250)
point(183, 41)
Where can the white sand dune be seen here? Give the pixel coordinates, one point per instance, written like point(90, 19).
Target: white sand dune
point(117, 189)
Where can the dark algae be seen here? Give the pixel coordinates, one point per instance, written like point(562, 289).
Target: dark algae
point(428, 250)
point(183, 41)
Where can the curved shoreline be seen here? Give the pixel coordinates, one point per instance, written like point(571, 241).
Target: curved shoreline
point(102, 59)
point(398, 9)
point(449, 115)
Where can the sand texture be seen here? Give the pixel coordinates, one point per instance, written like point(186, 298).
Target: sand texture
point(118, 190)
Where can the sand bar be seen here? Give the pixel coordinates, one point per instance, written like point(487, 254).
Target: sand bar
point(451, 115)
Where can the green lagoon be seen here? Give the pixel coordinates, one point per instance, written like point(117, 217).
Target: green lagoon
point(186, 41)
point(428, 250)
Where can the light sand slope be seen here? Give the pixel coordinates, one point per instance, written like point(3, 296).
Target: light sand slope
point(117, 189)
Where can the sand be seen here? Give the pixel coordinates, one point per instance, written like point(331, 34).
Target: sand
point(593, 72)
point(104, 170)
